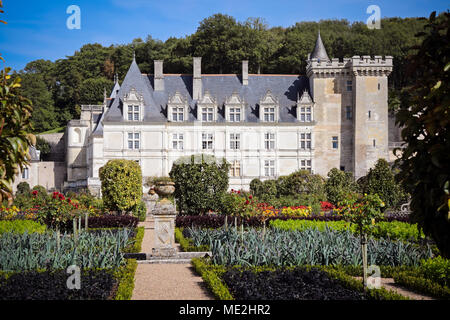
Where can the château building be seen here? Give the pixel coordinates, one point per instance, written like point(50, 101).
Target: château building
point(264, 125)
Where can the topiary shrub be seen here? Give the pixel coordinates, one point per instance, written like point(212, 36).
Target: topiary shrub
point(304, 182)
point(256, 187)
point(121, 185)
point(200, 182)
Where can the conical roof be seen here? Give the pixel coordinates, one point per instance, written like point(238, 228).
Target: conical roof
point(319, 51)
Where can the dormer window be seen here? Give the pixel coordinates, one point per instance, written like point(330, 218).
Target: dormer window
point(207, 108)
point(234, 108)
point(305, 108)
point(177, 108)
point(269, 106)
point(133, 113)
point(133, 106)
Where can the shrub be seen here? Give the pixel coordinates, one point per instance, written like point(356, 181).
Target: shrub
point(304, 182)
point(211, 276)
point(256, 187)
point(23, 188)
point(186, 244)
point(200, 182)
point(136, 246)
point(121, 185)
point(417, 282)
point(380, 180)
point(437, 270)
point(338, 185)
point(140, 211)
point(21, 226)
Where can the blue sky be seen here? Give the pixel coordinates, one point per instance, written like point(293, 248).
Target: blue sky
point(37, 29)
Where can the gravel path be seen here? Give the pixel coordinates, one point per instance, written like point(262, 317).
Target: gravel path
point(166, 281)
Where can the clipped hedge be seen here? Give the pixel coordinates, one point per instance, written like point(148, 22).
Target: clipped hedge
point(415, 281)
point(21, 226)
point(211, 276)
point(125, 276)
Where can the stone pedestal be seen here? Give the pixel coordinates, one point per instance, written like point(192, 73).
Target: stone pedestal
point(164, 214)
point(150, 202)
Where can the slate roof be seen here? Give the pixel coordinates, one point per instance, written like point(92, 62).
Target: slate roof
point(285, 87)
point(319, 51)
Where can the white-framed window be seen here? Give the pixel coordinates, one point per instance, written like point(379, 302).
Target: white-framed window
point(207, 141)
point(305, 114)
point(177, 141)
point(269, 140)
point(133, 103)
point(269, 114)
point(207, 114)
point(134, 140)
point(305, 141)
point(235, 114)
point(235, 141)
point(235, 169)
point(268, 108)
point(25, 173)
point(306, 164)
point(335, 142)
point(177, 114)
point(133, 113)
point(269, 168)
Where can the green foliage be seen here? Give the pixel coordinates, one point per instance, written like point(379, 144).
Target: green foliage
point(309, 247)
point(256, 186)
point(187, 244)
point(304, 182)
point(92, 90)
point(380, 180)
point(338, 185)
point(415, 281)
point(33, 251)
point(23, 188)
point(125, 275)
point(140, 211)
point(200, 182)
point(43, 146)
point(437, 270)
point(211, 276)
point(21, 226)
point(424, 116)
point(135, 246)
point(394, 230)
point(121, 185)
point(15, 132)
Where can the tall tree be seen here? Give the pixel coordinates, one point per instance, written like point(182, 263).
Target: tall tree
point(425, 115)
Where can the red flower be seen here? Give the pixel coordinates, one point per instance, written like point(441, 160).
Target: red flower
point(68, 200)
point(35, 192)
point(247, 202)
point(239, 192)
point(250, 197)
point(61, 197)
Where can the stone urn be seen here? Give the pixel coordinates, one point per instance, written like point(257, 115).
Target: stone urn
point(165, 188)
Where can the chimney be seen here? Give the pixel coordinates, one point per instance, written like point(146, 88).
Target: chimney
point(158, 76)
point(197, 79)
point(245, 73)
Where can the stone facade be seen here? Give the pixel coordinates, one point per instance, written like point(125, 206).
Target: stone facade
point(264, 125)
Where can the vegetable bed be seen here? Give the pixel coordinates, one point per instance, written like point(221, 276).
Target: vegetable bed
point(296, 284)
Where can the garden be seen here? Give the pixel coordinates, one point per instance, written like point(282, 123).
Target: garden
point(304, 237)
point(46, 238)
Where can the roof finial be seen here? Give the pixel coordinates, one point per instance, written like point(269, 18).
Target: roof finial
point(116, 78)
point(134, 55)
